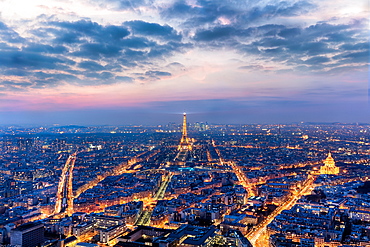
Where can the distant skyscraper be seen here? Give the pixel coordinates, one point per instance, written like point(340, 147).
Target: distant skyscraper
point(329, 166)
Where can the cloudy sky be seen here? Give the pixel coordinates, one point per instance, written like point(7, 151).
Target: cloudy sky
point(146, 61)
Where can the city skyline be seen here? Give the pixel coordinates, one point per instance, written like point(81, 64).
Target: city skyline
point(145, 62)
point(245, 185)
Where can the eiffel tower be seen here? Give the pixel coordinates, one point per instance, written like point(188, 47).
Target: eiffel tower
point(184, 142)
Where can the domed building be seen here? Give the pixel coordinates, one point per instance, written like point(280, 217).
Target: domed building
point(329, 166)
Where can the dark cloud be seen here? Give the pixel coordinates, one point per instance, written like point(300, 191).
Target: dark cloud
point(134, 54)
point(128, 4)
point(199, 14)
point(322, 29)
point(153, 29)
point(123, 4)
point(289, 32)
point(216, 33)
point(101, 76)
point(19, 59)
point(114, 32)
point(134, 57)
point(287, 44)
point(57, 76)
point(113, 67)
point(91, 65)
point(241, 12)
point(272, 42)
point(124, 78)
point(98, 50)
point(45, 83)
point(310, 48)
point(95, 45)
point(42, 79)
point(273, 51)
point(291, 45)
point(40, 48)
point(127, 63)
point(75, 32)
point(295, 9)
point(68, 38)
point(179, 9)
point(316, 60)
point(340, 37)
point(9, 35)
point(15, 72)
point(355, 57)
point(137, 43)
point(155, 74)
point(15, 83)
point(355, 46)
point(75, 51)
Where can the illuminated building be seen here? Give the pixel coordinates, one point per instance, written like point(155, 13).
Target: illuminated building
point(236, 238)
point(329, 166)
point(11, 188)
point(145, 236)
point(110, 233)
point(27, 235)
point(83, 228)
point(185, 142)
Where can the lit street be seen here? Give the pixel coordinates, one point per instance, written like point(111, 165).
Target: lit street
point(257, 236)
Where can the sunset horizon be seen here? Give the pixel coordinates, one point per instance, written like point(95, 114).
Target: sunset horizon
point(137, 62)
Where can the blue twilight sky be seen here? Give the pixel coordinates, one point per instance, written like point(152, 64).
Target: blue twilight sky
point(146, 61)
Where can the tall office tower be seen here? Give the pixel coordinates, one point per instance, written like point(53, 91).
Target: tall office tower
point(184, 142)
point(27, 235)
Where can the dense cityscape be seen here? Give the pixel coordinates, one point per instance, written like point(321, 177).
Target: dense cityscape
point(186, 184)
point(184, 123)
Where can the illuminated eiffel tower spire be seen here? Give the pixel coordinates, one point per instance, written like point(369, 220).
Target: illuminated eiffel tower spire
point(185, 142)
